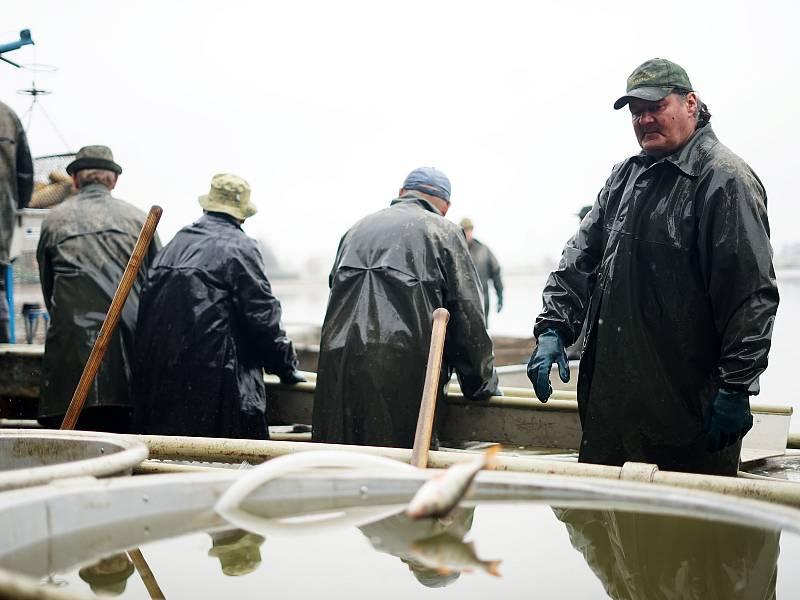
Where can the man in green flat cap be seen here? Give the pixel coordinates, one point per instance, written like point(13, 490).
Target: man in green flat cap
point(84, 247)
point(208, 328)
point(672, 271)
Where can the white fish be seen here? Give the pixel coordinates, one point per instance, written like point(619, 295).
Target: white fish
point(448, 554)
point(441, 494)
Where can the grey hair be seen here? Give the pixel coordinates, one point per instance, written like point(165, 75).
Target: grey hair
point(101, 176)
point(702, 115)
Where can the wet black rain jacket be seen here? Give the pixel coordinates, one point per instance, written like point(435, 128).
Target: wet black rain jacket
point(208, 325)
point(392, 270)
point(84, 247)
point(673, 270)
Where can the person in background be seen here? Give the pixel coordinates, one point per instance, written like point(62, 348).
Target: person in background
point(84, 247)
point(209, 326)
point(392, 270)
point(16, 187)
point(672, 270)
point(487, 266)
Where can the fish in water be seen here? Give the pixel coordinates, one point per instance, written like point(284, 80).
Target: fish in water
point(442, 493)
point(447, 554)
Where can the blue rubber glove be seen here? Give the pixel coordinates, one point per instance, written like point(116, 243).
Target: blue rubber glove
point(549, 350)
point(728, 419)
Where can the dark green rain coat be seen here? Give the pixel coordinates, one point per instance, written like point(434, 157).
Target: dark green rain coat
point(84, 247)
point(664, 557)
point(673, 270)
point(392, 270)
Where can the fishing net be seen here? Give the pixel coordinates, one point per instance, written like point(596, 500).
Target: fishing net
point(51, 184)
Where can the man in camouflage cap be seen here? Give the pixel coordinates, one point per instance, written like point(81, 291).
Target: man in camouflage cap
point(672, 271)
point(84, 247)
point(208, 327)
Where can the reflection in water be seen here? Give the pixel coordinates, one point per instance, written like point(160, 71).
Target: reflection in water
point(109, 575)
point(433, 549)
point(638, 556)
point(238, 551)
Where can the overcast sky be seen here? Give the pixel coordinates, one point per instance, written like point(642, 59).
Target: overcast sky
point(324, 107)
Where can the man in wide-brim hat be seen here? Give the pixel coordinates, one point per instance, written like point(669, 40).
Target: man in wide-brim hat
point(84, 247)
point(209, 326)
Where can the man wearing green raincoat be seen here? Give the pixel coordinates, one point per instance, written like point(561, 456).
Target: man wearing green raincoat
point(672, 270)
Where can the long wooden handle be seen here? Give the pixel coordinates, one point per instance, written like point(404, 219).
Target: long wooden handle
point(111, 320)
point(427, 408)
point(149, 580)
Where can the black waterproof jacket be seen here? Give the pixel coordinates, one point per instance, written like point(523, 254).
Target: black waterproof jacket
point(208, 326)
point(673, 270)
point(392, 270)
point(84, 247)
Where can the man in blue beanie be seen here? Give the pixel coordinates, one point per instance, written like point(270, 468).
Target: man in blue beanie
point(393, 269)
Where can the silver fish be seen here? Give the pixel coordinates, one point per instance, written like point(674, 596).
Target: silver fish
point(448, 554)
point(441, 494)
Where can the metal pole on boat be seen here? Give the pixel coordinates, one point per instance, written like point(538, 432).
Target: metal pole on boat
point(427, 407)
point(111, 320)
point(146, 574)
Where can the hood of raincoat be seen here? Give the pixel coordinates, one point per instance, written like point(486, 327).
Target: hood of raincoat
point(672, 268)
point(84, 247)
point(392, 270)
point(208, 327)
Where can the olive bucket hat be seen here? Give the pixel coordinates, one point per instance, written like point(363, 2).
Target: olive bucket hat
point(94, 157)
point(654, 80)
point(229, 194)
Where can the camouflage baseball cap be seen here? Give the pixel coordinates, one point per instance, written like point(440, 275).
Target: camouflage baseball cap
point(94, 157)
point(654, 80)
point(229, 194)
point(466, 223)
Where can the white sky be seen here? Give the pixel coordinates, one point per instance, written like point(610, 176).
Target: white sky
point(324, 107)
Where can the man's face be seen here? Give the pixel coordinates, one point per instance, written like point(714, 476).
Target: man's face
point(468, 233)
point(663, 127)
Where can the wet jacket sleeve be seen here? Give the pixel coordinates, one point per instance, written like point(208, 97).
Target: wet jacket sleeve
point(261, 312)
point(494, 274)
point(568, 289)
point(736, 260)
point(24, 169)
point(468, 347)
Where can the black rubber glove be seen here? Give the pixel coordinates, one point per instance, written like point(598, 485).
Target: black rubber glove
point(728, 419)
point(499, 302)
point(549, 350)
point(292, 377)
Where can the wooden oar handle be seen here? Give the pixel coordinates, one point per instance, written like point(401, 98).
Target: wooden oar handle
point(427, 408)
point(111, 320)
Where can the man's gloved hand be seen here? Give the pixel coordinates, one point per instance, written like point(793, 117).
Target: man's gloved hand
point(292, 377)
point(549, 350)
point(728, 419)
point(499, 302)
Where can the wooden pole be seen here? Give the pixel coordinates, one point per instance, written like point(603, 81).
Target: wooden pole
point(146, 574)
point(427, 408)
point(111, 320)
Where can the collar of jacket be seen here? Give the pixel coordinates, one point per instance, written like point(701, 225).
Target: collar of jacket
point(93, 190)
point(692, 155)
point(413, 197)
point(223, 218)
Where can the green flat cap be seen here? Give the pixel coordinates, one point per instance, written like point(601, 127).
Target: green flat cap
point(653, 80)
point(229, 194)
point(94, 157)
